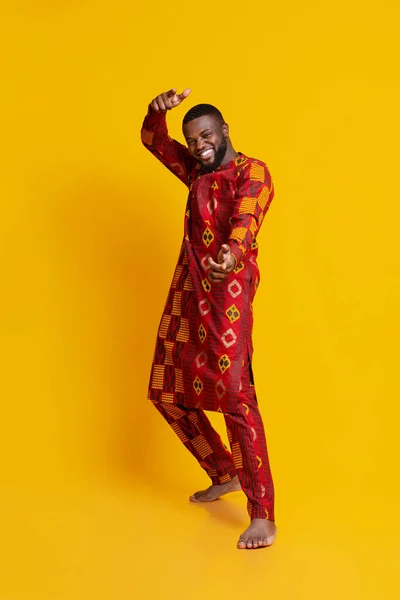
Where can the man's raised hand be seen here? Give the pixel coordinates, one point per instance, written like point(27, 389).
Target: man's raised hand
point(226, 263)
point(169, 100)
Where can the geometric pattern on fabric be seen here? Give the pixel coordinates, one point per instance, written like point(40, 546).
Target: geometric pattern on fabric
point(201, 359)
point(208, 236)
point(174, 411)
point(263, 199)
point(253, 226)
point(197, 384)
point(202, 333)
point(176, 307)
point(239, 268)
point(233, 313)
point(202, 446)
point(257, 172)
point(237, 455)
point(234, 288)
point(179, 381)
point(168, 352)
point(248, 205)
point(204, 307)
point(238, 234)
point(188, 284)
point(206, 285)
point(240, 160)
point(165, 321)
point(224, 479)
point(204, 261)
point(184, 332)
point(224, 363)
point(229, 338)
point(158, 377)
point(193, 417)
point(220, 389)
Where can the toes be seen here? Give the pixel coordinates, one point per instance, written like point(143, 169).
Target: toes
point(270, 540)
point(264, 542)
point(249, 544)
point(241, 544)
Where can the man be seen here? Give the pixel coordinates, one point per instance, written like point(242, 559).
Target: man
point(203, 352)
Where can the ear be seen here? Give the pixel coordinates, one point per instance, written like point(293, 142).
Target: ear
point(225, 129)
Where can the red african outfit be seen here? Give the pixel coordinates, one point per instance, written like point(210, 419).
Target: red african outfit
point(203, 353)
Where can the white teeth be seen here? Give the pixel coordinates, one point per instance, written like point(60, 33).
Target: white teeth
point(205, 153)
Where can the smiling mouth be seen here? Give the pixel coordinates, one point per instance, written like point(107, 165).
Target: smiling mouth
point(205, 154)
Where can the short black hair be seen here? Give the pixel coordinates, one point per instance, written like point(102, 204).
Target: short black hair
point(200, 110)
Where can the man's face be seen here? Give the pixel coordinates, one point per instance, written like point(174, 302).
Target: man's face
point(206, 138)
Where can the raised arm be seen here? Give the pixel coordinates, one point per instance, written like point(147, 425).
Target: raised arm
point(155, 136)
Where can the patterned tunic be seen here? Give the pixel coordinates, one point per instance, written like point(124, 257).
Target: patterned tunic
point(204, 339)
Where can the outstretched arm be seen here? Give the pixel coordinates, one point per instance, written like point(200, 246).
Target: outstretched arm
point(155, 136)
point(254, 195)
point(253, 198)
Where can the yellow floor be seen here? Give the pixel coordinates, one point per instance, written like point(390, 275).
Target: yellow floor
point(116, 541)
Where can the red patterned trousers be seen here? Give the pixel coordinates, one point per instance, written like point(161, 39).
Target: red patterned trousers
point(248, 457)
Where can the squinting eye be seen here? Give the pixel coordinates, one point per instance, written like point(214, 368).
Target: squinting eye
point(207, 135)
point(190, 143)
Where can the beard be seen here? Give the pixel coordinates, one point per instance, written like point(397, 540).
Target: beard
point(219, 157)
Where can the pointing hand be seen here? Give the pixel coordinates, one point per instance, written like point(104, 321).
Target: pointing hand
point(169, 100)
point(226, 263)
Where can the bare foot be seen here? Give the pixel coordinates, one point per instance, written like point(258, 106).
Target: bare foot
point(216, 491)
point(259, 534)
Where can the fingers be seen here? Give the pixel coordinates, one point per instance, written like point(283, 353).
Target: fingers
point(154, 105)
point(168, 100)
point(184, 94)
point(217, 277)
point(158, 104)
point(219, 267)
point(220, 270)
point(163, 101)
point(224, 253)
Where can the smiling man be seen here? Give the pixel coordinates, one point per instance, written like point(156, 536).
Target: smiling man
point(204, 349)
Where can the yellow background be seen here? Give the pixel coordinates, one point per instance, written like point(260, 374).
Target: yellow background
point(94, 486)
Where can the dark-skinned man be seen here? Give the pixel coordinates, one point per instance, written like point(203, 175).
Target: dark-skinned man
point(203, 355)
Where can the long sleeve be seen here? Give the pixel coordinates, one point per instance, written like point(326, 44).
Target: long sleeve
point(254, 195)
point(171, 153)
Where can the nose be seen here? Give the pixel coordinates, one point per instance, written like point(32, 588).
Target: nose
point(200, 144)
